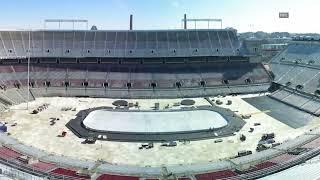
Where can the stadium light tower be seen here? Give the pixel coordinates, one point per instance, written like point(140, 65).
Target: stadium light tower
point(59, 21)
point(185, 20)
point(28, 81)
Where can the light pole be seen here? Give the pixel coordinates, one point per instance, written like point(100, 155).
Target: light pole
point(28, 83)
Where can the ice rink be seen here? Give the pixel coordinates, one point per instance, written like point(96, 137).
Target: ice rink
point(153, 121)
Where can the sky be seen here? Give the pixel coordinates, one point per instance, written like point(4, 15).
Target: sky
point(243, 15)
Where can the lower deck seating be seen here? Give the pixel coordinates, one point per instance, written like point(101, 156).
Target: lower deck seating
point(216, 175)
point(15, 96)
point(302, 101)
point(313, 144)
point(117, 76)
point(116, 177)
point(282, 158)
point(264, 165)
point(43, 166)
point(184, 178)
point(68, 173)
point(124, 77)
point(6, 153)
point(257, 167)
point(294, 75)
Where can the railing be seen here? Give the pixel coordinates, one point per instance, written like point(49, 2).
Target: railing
point(33, 171)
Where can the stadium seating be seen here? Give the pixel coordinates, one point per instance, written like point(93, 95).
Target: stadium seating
point(126, 60)
point(282, 158)
point(119, 43)
point(298, 66)
point(216, 175)
point(43, 166)
point(313, 144)
point(124, 77)
point(68, 173)
point(184, 178)
point(116, 177)
point(6, 153)
point(302, 101)
point(264, 165)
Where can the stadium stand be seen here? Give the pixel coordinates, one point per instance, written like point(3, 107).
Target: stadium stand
point(184, 178)
point(116, 177)
point(216, 175)
point(297, 66)
point(53, 170)
point(43, 166)
point(190, 61)
point(7, 153)
point(301, 101)
point(282, 158)
point(264, 165)
point(296, 84)
point(69, 173)
point(119, 77)
point(161, 43)
point(313, 144)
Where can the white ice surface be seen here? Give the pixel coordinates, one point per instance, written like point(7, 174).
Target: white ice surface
point(153, 121)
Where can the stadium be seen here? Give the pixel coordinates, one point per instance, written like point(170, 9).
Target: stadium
point(154, 104)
